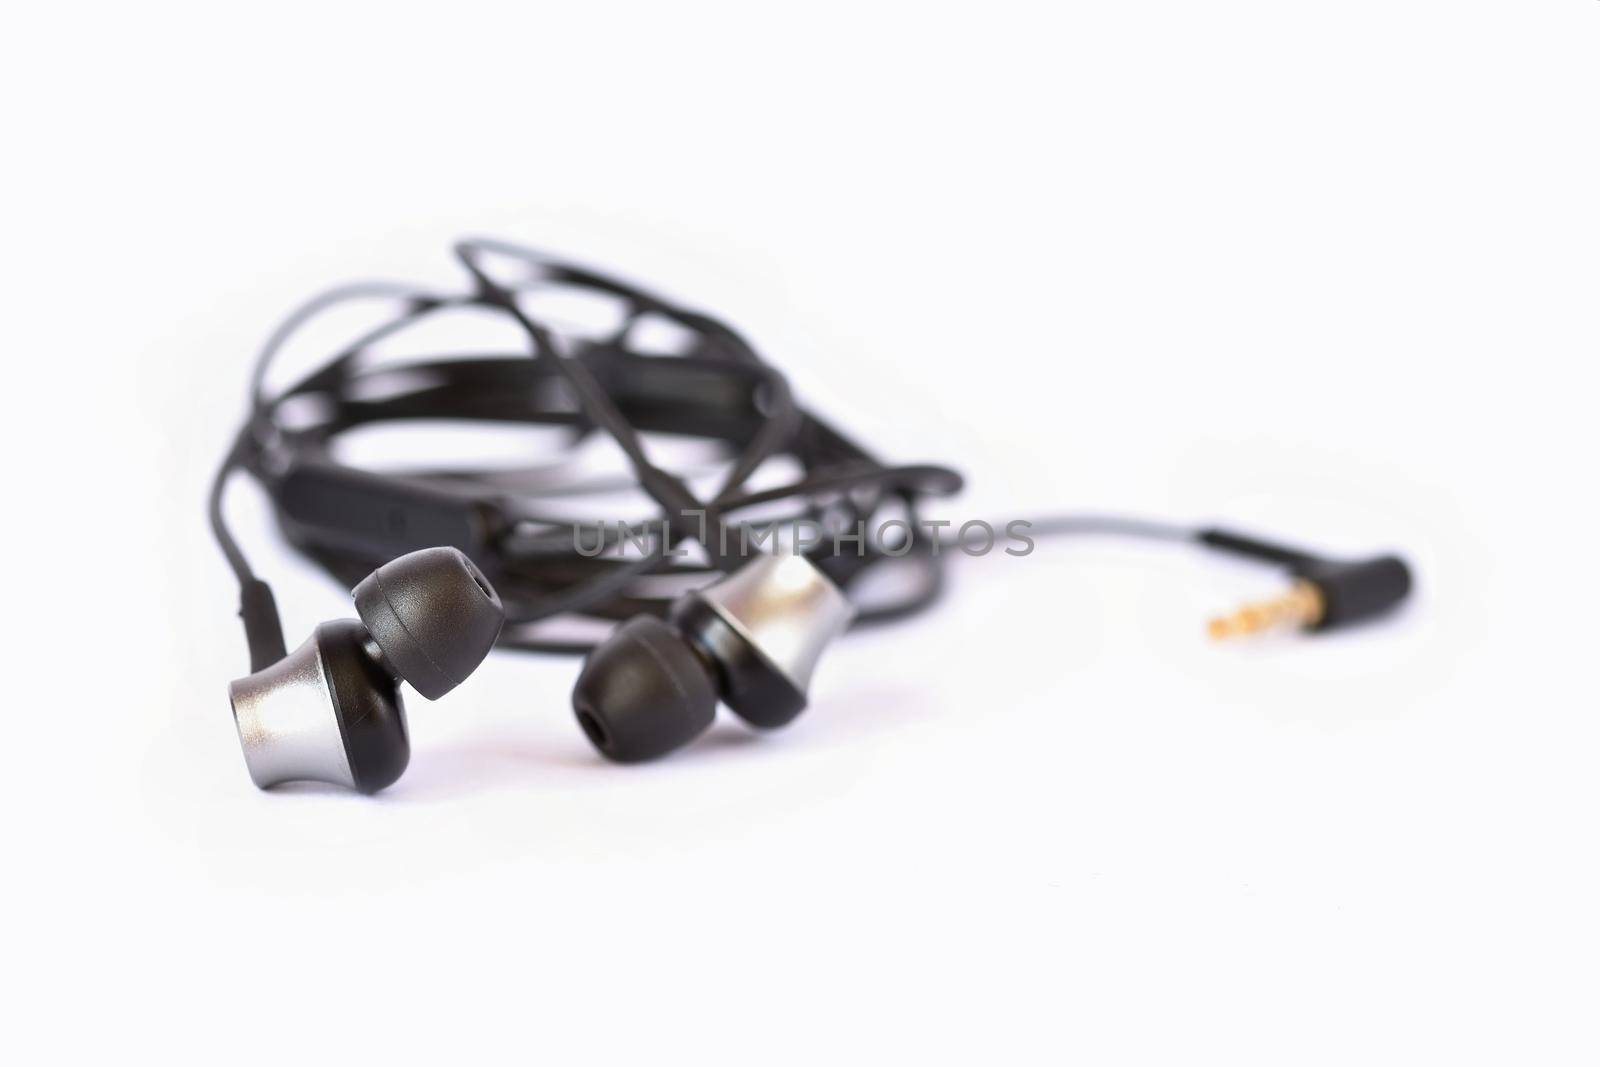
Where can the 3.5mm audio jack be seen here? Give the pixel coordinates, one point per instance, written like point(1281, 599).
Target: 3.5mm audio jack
point(1325, 594)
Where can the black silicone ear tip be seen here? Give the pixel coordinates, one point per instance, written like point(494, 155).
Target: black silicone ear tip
point(643, 692)
point(434, 616)
point(366, 701)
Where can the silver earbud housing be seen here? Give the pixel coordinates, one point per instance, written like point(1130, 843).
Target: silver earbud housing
point(287, 724)
point(786, 608)
point(764, 627)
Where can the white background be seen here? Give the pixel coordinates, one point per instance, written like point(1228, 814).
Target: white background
point(1322, 270)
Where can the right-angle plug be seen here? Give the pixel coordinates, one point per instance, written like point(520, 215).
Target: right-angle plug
point(1325, 595)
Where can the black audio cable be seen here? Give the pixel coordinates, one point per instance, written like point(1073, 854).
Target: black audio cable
point(613, 379)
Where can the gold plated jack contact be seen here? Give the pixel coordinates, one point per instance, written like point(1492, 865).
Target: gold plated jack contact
point(1301, 606)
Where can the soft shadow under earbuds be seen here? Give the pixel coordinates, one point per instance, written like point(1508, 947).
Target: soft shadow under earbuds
point(486, 766)
point(489, 766)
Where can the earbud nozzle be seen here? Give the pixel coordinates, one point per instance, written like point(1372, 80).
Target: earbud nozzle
point(433, 615)
point(643, 692)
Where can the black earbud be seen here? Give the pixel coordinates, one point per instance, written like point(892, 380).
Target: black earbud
point(752, 639)
point(330, 711)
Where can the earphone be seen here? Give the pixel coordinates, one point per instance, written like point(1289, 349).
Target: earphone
point(744, 623)
point(750, 639)
point(330, 711)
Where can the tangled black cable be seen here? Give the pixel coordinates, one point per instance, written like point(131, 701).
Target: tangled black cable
point(715, 387)
point(712, 385)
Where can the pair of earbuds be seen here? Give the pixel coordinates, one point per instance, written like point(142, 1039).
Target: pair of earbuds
point(331, 710)
point(447, 564)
